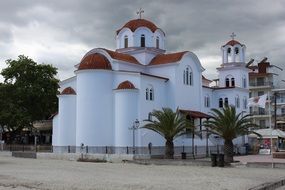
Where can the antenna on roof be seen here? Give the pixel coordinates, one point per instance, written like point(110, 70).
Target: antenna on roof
point(250, 62)
point(139, 12)
point(233, 35)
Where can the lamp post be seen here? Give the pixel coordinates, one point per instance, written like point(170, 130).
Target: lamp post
point(134, 127)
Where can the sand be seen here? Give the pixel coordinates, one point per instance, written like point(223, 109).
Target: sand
point(23, 174)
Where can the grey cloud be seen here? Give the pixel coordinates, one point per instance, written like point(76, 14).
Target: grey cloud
point(198, 26)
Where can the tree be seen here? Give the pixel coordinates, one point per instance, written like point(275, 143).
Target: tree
point(170, 125)
point(229, 125)
point(27, 94)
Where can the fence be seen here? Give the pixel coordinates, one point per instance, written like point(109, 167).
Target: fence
point(196, 151)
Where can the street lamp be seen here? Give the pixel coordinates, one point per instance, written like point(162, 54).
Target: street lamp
point(134, 127)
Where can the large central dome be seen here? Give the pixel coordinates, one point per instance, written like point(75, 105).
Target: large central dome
point(136, 23)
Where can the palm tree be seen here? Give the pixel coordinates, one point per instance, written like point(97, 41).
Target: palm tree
point(229, 125)
point(170, 125)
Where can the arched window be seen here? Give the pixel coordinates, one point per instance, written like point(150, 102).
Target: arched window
point(207, 101)
point(220, 102)
point(157, 42)
point(142, 40)
point(188, 76)
point(237, 102)
point(244, 82)
point(126, 44)
point(226, 101)
point(146, 93)
point(229, 50)
point(236, 50)
point(227, 82)
point(244, 103)
point(233, 81)
point(151, 94)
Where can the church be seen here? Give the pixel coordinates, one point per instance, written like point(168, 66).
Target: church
point(113, 89)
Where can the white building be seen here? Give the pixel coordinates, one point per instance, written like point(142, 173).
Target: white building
point(111, 89)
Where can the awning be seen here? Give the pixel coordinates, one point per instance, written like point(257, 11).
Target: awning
point(266, 133)
point(195, 114)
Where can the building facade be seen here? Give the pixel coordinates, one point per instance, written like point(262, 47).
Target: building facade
point(112, 89)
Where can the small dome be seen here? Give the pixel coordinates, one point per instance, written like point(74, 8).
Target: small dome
point(136, 23)
point(232, 43)
point(126, 85)
point(68, 91)
point(95, 61)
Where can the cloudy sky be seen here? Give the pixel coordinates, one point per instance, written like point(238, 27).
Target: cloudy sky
point(61, 32)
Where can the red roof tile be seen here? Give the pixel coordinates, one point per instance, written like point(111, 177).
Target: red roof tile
point(195, 114)
point(122, 56)
point(167, 58)
point(95, 61)
point(136, 23)
point(126, 85)
point(68, 91)
point(232, 43)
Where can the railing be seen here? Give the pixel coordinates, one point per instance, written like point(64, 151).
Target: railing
point(256, 84)
point(26, 148)
point(260, 113)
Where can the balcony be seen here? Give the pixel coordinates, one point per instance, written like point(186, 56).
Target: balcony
point(260, 113)
point(260, 84)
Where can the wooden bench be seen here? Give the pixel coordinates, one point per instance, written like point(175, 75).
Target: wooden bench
point(279, 155)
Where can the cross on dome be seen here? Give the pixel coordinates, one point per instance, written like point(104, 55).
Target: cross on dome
point(139, 12)
point(233, 35)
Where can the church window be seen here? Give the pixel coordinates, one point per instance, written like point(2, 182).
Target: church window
point(229, 50)
point(188, 76)
point(244, 82)
point(157, 42)
point(146, 93)
point(244, 103)
point(151, 97)
point(237, 102)
point(236, 50)
point(126, 42)
point(227, 82)
point(220, 102)
point(207, 101)
point(226, 101)
point(142, 40)
point(233, 81)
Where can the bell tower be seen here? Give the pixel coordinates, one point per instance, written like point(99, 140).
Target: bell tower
point(233, 51)
point(233, 71)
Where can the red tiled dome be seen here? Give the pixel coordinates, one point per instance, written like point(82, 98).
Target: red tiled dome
point(136, 23)
point(95, 61)
point(68, 91)
point(232, 43)
point(126, 85)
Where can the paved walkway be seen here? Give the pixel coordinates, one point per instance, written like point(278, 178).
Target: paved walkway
point(258, 158)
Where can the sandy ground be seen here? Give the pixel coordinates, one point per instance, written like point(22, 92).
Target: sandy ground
point(23, 174)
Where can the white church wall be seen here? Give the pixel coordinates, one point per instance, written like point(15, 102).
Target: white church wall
point(158, 33)
point(67, 120)
point(143, 57)
point(145, 136)
point(119, 66)
point(94, 123)
point(148, 37)
point(207, 92)
point(125, 113)
point(120, 39)
point(188, 96)
point(167, 71)
point(55, 130)
point(237, 74)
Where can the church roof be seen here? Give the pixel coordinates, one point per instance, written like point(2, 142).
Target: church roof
point(136, 23)
point(126, 85)
point(68, 91)
point(195, 114)
point(167, 58)
point(122, 56)
point(232, 43)
point(95, 61)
